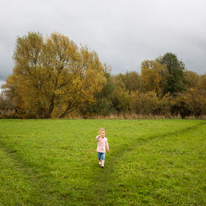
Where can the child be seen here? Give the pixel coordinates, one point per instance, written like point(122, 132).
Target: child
point(102, 144)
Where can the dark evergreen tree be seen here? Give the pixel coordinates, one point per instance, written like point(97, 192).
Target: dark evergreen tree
point(174, 81)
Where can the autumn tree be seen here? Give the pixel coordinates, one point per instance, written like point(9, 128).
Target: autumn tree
point(153, 74)
point(25, 82)
point(202, 82)
point(122, 97)
point(131, 81)
point(103, 104)
point(53, 74)
point(192, 79)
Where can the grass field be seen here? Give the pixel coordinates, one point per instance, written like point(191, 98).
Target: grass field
point(151, 162)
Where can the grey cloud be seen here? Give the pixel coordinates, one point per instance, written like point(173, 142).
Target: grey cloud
point(123, 33)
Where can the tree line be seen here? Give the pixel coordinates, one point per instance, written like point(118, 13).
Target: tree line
point(53, 78)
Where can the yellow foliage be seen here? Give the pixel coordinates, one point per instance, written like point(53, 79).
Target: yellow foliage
point(53, 73)
point(152, 75)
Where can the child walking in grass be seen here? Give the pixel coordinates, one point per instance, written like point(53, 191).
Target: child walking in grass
point(102, 146)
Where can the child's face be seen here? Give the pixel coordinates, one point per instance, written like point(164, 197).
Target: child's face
point(102, 134)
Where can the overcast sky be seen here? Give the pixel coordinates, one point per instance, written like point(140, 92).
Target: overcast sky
point(122, 32)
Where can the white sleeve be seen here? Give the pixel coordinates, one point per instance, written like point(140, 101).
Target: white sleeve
point(97, 138)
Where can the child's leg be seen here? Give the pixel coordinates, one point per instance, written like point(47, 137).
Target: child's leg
point(99, 158)
point(103, 159)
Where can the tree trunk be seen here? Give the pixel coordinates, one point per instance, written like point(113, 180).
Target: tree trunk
point(51, 108)
point(66, 111)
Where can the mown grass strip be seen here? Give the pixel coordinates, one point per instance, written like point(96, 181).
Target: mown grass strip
point(16, 187)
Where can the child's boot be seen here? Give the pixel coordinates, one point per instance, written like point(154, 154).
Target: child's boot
point(102, 163)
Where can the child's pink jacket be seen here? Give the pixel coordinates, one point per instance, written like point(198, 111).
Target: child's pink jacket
point(102, 144)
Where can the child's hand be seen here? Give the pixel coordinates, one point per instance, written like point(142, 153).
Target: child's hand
point(108, 150)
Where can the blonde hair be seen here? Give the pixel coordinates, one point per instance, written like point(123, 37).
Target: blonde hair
point(102, 130)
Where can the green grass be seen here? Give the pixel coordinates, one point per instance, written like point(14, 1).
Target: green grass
point(54, 162)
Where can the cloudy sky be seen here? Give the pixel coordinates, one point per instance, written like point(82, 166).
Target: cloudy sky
point(122, 32)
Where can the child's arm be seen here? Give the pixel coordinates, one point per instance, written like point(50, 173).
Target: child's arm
point(107, 146)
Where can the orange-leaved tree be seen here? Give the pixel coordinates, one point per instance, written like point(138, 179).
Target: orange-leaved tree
point(53, 74)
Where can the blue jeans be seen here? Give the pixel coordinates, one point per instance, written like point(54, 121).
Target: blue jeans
point(101, 155)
